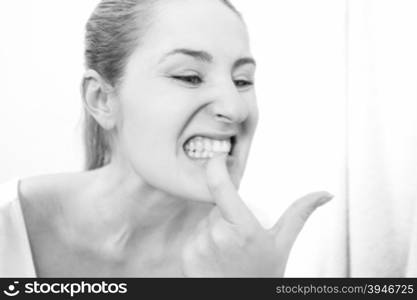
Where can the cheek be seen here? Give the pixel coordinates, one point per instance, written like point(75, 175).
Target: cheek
point(158, 160)
point(253, 109)
point(151, 146)
point(147, 134)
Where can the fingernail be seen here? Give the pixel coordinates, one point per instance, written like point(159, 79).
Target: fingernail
point(326, 198)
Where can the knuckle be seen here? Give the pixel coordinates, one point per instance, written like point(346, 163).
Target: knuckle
point(202, 245)
point(187, 253)
point(246, 236)
point(220, 234)
point(227, 235)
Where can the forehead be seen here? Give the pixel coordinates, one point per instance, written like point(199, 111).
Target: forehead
point(207, 25)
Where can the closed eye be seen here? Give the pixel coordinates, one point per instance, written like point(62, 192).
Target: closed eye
point(190, 79)
point(243, 83)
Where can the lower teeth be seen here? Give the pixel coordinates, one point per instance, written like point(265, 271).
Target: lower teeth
point(205, 154)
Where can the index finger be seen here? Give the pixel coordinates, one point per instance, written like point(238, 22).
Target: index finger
point(224, 193)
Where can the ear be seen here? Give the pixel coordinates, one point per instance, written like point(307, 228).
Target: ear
point(99, 99)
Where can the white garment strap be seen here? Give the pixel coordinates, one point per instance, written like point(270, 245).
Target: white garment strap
point(15, 254)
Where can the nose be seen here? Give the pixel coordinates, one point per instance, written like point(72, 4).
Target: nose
point(228, 105)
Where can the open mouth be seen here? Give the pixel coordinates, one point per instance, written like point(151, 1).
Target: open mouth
point(201, 147)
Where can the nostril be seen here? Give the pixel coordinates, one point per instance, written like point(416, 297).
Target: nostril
point(223, 118)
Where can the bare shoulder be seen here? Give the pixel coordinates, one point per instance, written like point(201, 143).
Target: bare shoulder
point(41, 197)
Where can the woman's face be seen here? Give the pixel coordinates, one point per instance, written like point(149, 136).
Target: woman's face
point(187, 95)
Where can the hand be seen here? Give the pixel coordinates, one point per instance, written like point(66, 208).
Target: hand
point(231, 242)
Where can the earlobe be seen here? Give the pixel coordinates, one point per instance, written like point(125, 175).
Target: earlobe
point(98, 99)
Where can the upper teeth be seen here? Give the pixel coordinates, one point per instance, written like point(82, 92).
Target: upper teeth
point(202, 147)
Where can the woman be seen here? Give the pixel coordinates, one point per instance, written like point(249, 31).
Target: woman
point(170, 115)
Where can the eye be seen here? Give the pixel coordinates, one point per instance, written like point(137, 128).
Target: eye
point(190, 79)
point(243, 83)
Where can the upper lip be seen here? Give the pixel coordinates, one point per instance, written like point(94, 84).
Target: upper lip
point(214, 135)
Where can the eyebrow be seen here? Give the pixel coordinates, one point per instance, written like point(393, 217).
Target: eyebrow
point(199, 55)
point(244, 61)
point(206, 57)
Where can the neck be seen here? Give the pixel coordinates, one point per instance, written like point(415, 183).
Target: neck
point(123, 212)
